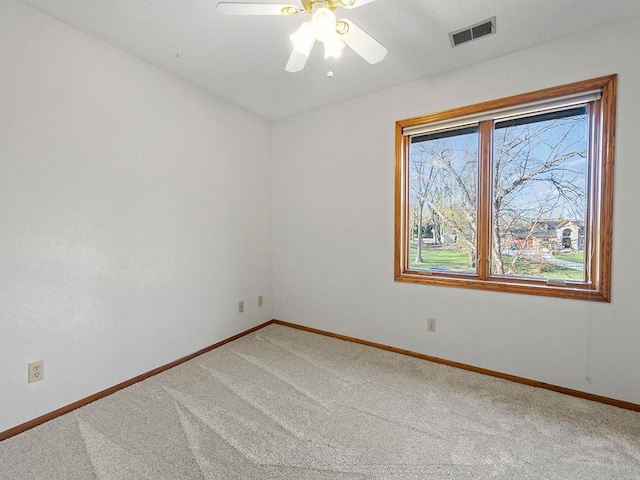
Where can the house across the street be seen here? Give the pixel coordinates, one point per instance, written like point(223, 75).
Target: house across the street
point(547, 236)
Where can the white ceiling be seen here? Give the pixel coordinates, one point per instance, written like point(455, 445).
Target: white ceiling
point(242, 59)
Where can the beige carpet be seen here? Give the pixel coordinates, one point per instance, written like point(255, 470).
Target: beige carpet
point(286, 404)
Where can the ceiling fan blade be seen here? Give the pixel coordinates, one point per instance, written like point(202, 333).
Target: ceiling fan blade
point(359, 3)
point(296, 62)
point(231, 8)
point(362, 43)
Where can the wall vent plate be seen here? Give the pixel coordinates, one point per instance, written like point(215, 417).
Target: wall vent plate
point(473, 32)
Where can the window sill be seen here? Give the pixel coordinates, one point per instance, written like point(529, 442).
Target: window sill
point(574, 291)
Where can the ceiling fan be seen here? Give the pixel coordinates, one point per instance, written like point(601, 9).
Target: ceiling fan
point(322, 26)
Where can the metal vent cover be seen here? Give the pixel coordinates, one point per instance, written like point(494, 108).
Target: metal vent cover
point(473, 32)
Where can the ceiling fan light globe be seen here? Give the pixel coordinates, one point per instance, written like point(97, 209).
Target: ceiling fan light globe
point(333, 47)
point(303, 39)
point(323, 23)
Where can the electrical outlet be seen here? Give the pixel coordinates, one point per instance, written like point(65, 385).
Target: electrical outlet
point(36, 371)
point(431, 324)
point(260, 301)
point(240, 306)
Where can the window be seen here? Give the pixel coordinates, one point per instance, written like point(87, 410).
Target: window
point(513, 195)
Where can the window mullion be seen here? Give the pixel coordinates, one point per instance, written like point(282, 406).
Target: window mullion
point(483, 232)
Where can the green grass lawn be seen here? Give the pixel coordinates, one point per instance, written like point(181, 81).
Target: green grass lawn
point(570, 257)
point(529, 268)
point(458, 261)
point(440, 258)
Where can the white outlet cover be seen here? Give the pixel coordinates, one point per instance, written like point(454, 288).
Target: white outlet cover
point(36, 371)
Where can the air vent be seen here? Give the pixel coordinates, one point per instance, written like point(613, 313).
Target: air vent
point(473, 32)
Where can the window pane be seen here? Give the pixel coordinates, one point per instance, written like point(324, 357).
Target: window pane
point(540, 195)
point(443, 177)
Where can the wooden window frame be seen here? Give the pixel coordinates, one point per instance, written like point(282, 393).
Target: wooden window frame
point(598, 226)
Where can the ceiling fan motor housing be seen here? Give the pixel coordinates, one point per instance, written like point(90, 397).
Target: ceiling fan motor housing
point(311, 5)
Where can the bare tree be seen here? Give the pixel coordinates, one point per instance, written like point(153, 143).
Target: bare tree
point(538, 174)
point(422, 178)
point(444, 183)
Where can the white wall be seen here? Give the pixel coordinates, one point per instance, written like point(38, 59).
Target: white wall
point(334, 232)
point(133, 216)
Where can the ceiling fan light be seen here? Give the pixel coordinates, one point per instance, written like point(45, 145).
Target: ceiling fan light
point(323, 23)
point(333, 47)
point(303, 39)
